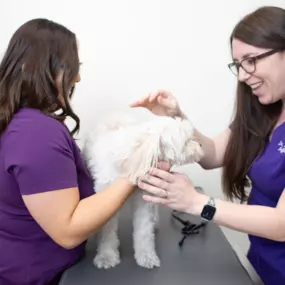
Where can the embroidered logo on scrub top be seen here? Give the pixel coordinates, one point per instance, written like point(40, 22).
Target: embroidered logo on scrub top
point(281, 148)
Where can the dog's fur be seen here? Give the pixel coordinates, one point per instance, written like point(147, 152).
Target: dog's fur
point(121, 147)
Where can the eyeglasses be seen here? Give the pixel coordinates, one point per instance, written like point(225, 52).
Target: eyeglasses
point(249, 64)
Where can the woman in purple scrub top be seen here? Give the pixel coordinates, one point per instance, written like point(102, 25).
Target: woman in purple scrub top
point(251, 151)
point(48, 208)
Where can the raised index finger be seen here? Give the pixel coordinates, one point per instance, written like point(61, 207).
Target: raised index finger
point(141, 101)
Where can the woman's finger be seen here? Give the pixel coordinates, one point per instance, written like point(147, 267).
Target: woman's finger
point(140, 102)
point(158, 94)
point(164, 165)
point(154, 181)
point(152, 189)
point(153, 96)
point(135, 104)
point(156, 200)
point(164, 175)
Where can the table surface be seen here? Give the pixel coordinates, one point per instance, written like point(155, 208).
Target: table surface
point(205, 258)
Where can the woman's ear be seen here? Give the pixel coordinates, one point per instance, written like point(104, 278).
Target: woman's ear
point(144, 155)
point(59, 87)
point(58, 81)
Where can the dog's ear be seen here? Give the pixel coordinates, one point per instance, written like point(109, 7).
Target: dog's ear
point(144, 155)
point(193, 151)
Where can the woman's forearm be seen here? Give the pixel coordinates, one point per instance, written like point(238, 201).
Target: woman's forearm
point(257, 220)
point(95, 211)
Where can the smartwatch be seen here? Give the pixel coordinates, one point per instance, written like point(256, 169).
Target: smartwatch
point(209, 210)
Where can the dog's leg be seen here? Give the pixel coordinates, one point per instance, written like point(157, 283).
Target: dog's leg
point(107, 255)
point(108, 245)
point(144, 233)
point(156, 217)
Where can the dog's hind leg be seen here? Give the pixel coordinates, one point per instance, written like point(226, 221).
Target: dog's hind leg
point(144, 218)
point(108, 255)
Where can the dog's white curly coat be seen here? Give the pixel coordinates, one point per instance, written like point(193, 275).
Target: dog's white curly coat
point(121, 147)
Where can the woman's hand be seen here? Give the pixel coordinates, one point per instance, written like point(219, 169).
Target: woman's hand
point(174, 190)
point(161, 103)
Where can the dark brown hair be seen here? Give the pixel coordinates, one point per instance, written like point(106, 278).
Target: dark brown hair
point(41, 57)
point(253, 122)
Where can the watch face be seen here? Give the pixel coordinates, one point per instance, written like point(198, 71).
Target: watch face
point(208, 212)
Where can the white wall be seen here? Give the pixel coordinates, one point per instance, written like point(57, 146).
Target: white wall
point(129, 48)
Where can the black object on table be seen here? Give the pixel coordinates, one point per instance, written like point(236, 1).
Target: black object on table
point(206, 258)
point(189, 227)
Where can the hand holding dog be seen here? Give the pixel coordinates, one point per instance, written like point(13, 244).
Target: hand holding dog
point(161, 103)
point(174, 190)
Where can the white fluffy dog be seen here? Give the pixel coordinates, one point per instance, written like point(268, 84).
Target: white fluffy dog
point(121, 147)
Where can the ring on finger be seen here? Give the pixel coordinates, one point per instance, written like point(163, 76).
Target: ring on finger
point(166, 194)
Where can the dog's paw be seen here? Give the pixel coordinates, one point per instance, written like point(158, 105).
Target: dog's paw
point(107, 259)
point(148, 260)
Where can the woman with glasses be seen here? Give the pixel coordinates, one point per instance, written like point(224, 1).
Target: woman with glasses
point(251, 151)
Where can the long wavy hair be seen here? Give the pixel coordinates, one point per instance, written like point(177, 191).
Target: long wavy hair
point(41, 62)
point(252, 122)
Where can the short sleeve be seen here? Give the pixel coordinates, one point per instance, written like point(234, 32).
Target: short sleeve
point(42, 159)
